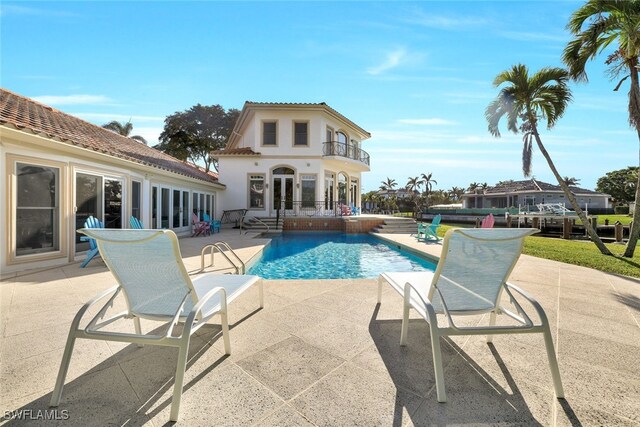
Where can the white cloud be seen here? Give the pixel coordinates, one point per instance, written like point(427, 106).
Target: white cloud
point(393, 60)
point(428, 122)
point(533, 36)
point(79, 99)
point(24, 10)
point(442, 22)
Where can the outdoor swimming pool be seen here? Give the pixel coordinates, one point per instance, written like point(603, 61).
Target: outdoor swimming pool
point(333, 256)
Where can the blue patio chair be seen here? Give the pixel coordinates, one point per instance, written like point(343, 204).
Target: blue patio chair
point(91, 222)
point(355, 210)
point(214, 224)
point(429, 231)
point(135, 223)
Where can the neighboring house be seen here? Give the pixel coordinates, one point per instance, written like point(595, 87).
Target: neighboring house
point(302, 157)
point(529, 193)
point(401, 193)
point(56, 170)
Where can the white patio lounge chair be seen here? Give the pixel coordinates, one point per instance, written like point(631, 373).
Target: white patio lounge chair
point(155, 284)
point(470, 278)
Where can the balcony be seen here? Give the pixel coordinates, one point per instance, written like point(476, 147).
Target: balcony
point(335, 148)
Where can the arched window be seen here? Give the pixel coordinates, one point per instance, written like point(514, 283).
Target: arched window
point(283, 171)
point(342, 137)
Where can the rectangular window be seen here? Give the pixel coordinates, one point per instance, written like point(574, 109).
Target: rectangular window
point(269, 131)
point(301, 136)
point(308, 194)
point(37, 209)
point(136, 202)
point(256, 192)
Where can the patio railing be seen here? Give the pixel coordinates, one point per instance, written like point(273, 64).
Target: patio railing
point(313, 208)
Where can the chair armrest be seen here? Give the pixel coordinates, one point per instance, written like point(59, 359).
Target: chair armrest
point(431, 312)
point(198, 307)
point(536, 305)
point(91, 302)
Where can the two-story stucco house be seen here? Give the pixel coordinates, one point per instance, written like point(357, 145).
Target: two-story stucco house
point(297, 157)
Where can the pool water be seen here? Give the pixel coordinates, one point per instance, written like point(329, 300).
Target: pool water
point(333, 256)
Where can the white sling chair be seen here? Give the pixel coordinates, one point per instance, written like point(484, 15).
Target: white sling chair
point(470, 277)
point(155, 284)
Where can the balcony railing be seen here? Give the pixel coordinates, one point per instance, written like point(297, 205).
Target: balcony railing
point(350, 151)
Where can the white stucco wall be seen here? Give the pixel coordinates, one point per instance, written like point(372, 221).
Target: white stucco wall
point(236, 171)
point(27, 148)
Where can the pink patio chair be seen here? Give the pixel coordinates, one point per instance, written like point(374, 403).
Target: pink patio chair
point(199, 227)
point(488, 221)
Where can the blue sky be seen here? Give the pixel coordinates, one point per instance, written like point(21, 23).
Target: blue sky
point(416, 75)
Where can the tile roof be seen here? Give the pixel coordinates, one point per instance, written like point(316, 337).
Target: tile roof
point(243, 151)
point(532, 185)
point(28, 115)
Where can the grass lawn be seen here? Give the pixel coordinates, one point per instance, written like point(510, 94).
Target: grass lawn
point(624, 219)
point(583, 253)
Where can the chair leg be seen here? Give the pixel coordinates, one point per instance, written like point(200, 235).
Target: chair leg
point(438, 371)
point(64, 368)
point(405, 322)
point(492, 322)
point(136, 324)
point(177, 388)
point(380, 280)
point(90, 255)
point(553, 362)
point(225, 332)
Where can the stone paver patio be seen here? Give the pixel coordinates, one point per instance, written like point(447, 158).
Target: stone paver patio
point(324, 353)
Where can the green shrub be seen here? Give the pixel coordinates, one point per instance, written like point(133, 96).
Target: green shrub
point(621, 210)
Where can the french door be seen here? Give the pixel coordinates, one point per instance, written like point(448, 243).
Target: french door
point(170, 208)
point(98, 196)
point(282, 192)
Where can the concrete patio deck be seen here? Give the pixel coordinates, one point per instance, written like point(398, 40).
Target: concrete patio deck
point(322, 353)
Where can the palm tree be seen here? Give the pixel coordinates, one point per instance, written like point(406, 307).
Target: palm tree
point(428, 181)
point(456, 193)
point(123, 129)
point(571, 181)
point(525, 100)
point(388, 184)
point(413, 186)
point(596, 25)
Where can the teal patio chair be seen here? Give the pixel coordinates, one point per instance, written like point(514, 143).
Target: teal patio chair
point(155, 285)
point(91, 222)
point(214, 224)
point(429, 231)
point(470, 279)
point(135, 223)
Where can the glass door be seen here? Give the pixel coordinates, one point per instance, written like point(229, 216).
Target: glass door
point(282, 192)
point(100, 197)
point(88, 203)
point(112, 203)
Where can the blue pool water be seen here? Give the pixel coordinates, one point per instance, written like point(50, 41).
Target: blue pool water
point(333, 256)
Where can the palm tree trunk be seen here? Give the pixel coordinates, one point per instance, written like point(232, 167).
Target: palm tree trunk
point(574, 203)
point(634, 111)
